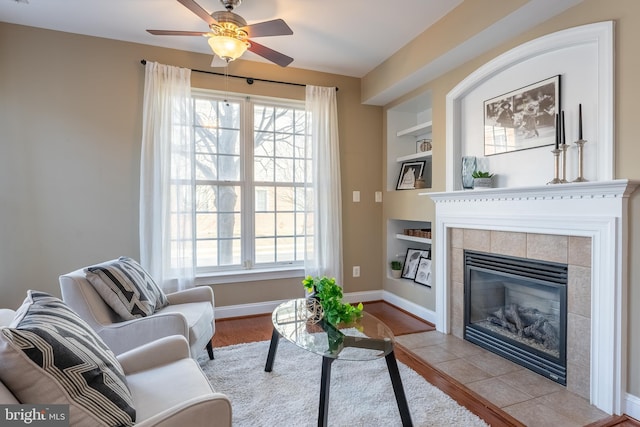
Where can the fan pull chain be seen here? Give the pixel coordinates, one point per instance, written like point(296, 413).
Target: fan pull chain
point(226, 83)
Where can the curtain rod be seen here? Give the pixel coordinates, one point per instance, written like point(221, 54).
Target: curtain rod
point(249, 80)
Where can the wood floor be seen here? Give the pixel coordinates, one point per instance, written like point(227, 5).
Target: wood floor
point(259, 328)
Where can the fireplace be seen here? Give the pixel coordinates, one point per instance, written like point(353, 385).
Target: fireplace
point(517, 308)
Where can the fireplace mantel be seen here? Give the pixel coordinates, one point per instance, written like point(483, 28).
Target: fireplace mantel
point(592, 209)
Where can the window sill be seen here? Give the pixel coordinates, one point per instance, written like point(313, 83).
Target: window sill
point(252, 275)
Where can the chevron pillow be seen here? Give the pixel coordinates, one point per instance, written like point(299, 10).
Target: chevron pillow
point(127, 288)
point(51, 356)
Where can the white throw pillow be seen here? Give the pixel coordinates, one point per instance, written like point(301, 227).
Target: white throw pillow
point(51, 356)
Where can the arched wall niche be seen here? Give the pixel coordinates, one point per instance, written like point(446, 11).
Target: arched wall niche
point(583, 57)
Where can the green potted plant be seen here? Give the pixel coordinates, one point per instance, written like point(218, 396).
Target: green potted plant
point(396, 269)
point(329, 293)
point(482, 179)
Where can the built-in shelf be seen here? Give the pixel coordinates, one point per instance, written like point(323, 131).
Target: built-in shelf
point(413, 238)
point(419, 129)
point(414, 156)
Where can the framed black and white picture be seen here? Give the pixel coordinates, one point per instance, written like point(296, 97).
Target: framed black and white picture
point(411, 262)
point(409, 172)
point(523, 118)
point(423, 273)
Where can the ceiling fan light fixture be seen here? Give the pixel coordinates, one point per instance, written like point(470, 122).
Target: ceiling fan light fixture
point(228, 48)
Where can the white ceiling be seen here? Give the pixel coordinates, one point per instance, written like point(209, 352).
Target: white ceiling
point(343, 37)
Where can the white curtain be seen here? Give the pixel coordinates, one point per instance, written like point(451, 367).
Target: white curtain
point(324, 257)
point(166, 178)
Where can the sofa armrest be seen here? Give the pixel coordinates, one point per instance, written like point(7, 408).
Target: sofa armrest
point(212, 409)
point(124, 336)
point(157, 353)
point(198, 294)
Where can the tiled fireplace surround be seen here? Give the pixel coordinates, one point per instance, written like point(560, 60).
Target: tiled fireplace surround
point(581, 224)
point(572, 250)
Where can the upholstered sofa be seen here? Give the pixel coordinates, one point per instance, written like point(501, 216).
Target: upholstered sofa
point(189, 313)
point(167, 386)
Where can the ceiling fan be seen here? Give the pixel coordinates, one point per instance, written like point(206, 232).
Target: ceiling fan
point(229, 35)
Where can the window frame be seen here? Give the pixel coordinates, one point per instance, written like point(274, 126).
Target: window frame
point(243, 272)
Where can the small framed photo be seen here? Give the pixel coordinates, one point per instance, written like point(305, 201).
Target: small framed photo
point(423, 273)
point(409, 172)
point(523, 118)
point(411, 262)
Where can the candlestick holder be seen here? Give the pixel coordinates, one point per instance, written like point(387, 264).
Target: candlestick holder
point(580, 143)
point(556, 169)
point(563, 147)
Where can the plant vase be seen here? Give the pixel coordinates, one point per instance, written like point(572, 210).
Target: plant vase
point(396, 274)
point(480, 183)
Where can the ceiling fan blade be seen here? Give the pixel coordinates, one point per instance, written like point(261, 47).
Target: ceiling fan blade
point(176, 33)
point(198, 10)
point(276, 57)
point(276, 27)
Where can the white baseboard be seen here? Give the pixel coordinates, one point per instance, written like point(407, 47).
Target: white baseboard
point(267, 307)
point(252, 309)
point(411, 307)
point(632, 406)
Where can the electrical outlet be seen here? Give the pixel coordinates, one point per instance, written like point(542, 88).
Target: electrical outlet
point(378, 196)
point(356, 271)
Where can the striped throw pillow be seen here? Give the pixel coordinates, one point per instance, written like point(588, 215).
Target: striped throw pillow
point(51, 356)
point(127, 288)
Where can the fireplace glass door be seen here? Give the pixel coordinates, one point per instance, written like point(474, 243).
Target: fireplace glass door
point(516, 308)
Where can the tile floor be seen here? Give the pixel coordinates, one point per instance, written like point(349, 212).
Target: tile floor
point(525, 395)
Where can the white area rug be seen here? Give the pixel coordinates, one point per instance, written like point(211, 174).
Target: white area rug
point(361, 392)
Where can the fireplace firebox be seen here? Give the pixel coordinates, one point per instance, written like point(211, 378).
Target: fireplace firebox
point(517, 308)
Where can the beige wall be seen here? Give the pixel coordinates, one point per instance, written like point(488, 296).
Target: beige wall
point(626, 14)
point(70, 129)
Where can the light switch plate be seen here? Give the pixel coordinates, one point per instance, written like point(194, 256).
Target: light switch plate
point(378, 196)
point(356, 196)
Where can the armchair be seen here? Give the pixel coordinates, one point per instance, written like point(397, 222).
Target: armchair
point(167, 386)
point(190, 313)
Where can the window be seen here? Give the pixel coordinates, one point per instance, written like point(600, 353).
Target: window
point(252, 175)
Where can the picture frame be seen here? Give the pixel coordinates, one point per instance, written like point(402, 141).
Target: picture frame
point(423, 273)
point(411, 261)
point(523, 118)
point(409, 172)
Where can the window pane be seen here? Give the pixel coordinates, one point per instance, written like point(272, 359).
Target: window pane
point(265, 225)
point(229, 141)
point(286, 225)
point(265, 199)
point(206, 167)
point(206, 226)
point(284, 146)
point(207, 253)
point(263, 118)
point(206, 140)
point(265, 250)
point(229, 250)
point(284, 170)
point(229, 115)
point(229, 167)
point(229, 225)
point(285, 200)
point(285, 249)
point(284, 120)
point(263, 169)
point(264, 144)
point(300, 242)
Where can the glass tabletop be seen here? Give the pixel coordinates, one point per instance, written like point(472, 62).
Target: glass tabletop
point(367, 338)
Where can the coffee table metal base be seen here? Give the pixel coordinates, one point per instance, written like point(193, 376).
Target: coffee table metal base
point(325, 382)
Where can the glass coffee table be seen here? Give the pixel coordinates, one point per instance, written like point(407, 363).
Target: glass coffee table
point(365, 339)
